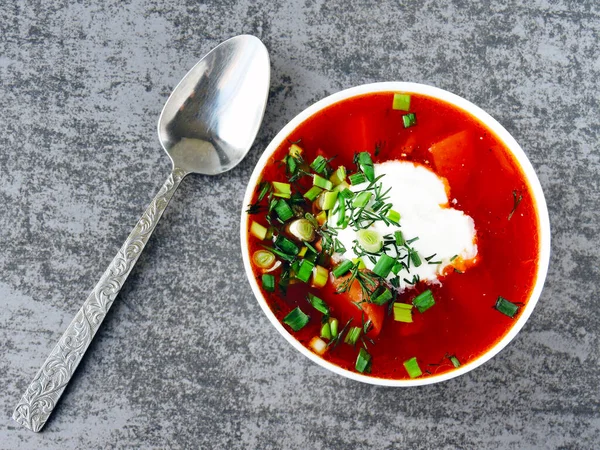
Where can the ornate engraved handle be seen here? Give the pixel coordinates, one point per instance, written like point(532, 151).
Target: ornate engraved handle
point(41, 396)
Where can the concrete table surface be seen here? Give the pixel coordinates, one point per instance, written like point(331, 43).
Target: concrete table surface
point(186, 358)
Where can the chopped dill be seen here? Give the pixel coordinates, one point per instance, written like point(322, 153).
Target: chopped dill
point(516, 200)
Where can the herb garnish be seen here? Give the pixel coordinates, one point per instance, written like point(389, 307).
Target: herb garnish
point(367, 281)
point(336, 340)
point(309, 207)
point(516, 201)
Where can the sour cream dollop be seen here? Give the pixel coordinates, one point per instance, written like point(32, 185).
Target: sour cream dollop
point(420, 197)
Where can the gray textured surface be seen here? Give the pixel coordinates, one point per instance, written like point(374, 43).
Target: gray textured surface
point(186, 358)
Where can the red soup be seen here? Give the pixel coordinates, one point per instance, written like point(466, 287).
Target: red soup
point(365, 308)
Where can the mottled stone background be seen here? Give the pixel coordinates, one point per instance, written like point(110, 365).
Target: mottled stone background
point(186, 359)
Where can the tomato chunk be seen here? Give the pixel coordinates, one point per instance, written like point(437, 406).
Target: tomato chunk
point(454, 157)
point(372, 312)
point(376, 314)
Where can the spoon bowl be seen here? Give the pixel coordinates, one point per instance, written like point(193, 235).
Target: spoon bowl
point(210, 120)
point(207, 126)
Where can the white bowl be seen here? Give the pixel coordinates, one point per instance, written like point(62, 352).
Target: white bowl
point(489, 122)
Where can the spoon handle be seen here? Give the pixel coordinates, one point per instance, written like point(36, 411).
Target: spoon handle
point(41, 396)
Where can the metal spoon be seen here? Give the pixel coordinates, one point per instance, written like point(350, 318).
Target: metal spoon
point(207, 126)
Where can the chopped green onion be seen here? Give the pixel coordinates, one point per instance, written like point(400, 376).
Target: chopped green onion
point(357, 178)
point(366, 165)
point(352, 335)
point(340, 187)
point(393, 216)
point(370, 240)
point(415, 258)
point(341, 212)
point(361, 200)
point(281, 254)
point(286, 246)
point(296, 319)
point(363, 361)
point(454, 360)
point(399, 237)
point(283, 190)
point(401, 102)
point(453, 258)
point(308, 216)
point(318, 165)
point(381, 296)
point(339, 176)
point(320, 276)
point(409, 120)
point(333, 326)
point(327, 200)
point(318, 304)
point(305, 270)
point(342, 268)
point(403, 312)
point(311, 254)
point(295, 151)
point(346, 193)
point(270, 231)
point(377, 205)
point(326, 331)
point(412, 367)
point(258, 231)
point(384, 266)
point(360, 262)
point(313, 193)
point(424, 301)
point(295, 267)
point(283, 210)
point(264, 259)
point(397, 267)
point(268, 282)
point(296, 199)
point(506, 307)
point(322, 183)
point(291, 164)
point(302, 229)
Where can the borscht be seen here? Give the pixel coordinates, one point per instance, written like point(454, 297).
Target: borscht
point(394, 235)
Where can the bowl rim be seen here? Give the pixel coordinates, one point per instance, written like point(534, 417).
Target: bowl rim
point(490, 123)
